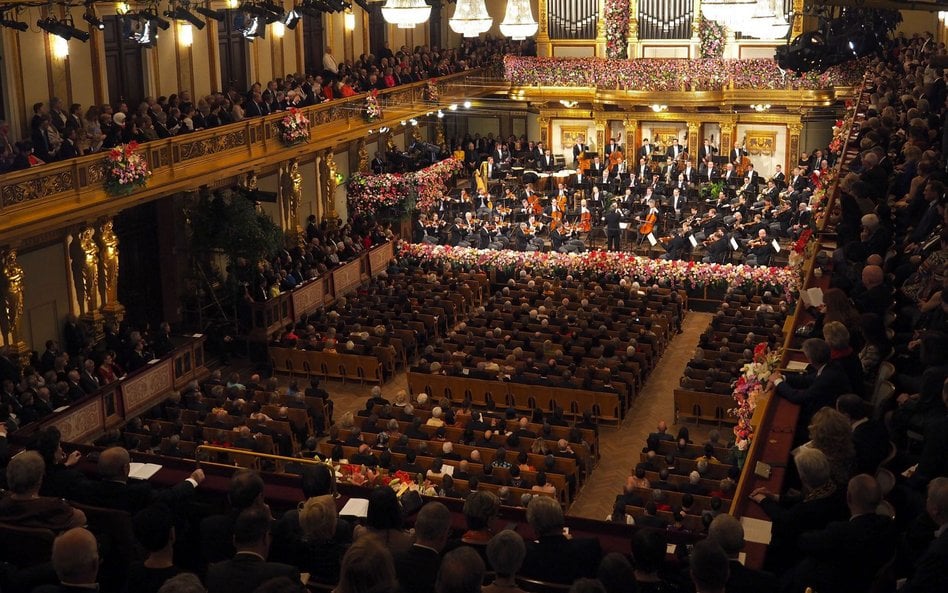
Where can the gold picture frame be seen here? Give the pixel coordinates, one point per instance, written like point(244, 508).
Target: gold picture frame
point(665, 137)
point(760, 142)
point(569, 135)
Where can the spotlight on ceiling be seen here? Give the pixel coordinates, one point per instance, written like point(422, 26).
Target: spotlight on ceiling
point(207, 11)
point(181, 13)
point(12, 23)
point(64, 28)
point(151, 14)
point(90, 17)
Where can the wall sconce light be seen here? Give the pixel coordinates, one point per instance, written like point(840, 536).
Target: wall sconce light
point(349, 20)
point(122, 8)
point(60, 47)
point(278, 29)
point(760, 107)
point(658, 108)
point(185, 34)
point(568, 104)
point(232, 3)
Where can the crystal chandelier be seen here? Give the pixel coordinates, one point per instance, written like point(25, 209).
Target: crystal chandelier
point(518, 20)
point(733, 14)
point(470, 18)
point(405, 13)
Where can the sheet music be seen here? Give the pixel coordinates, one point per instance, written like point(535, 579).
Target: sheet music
point(756, 530)
point(812, 297)
point(776, 245)
point(692, 240)
point(355, 507)
point(142, 471)
point(734, 244)
point(652, 240)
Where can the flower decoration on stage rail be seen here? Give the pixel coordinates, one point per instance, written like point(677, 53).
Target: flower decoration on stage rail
point(294, 127)
point(672, 74)
point(367, 194)
point(747, 390)
point(431, 92)
point(126, 169)
point(372, 110)
point(712, 35)
point(673, 273)
point(616, 15)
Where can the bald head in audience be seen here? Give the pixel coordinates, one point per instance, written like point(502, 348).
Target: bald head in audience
point(76, 557)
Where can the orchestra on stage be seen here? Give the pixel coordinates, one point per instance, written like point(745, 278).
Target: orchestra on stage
point(711, 207)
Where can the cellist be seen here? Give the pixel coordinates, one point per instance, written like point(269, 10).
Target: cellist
point(650, 220)
point(585, 217)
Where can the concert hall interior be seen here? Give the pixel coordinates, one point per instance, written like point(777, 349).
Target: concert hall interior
point(444, 297)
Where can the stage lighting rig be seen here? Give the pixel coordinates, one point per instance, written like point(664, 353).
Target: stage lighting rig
point(64, 28)
point(12, 23)
point(151, 14)
point(90, 17)
point(207, 11)
point(179, 12)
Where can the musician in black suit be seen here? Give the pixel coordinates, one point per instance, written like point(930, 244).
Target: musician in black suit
point(553, 557)
point(612, 218)
point(752, 175)
point(248, 569)
point(489, 170)
point(613, 146)
point(846, 554)
point(706, 150)
point(730, 176)
point(546, 162)
point(736, 154)
point(675, 149)
point(643, 171)
point(824, 381)
point(677, 203)
point(114, 491)
point(690, 173)
point(579, 148)
point(378, 165)
point(708, 172)
point(646, 150)
point(417, 567)
point(779, 178)
point(595, 168)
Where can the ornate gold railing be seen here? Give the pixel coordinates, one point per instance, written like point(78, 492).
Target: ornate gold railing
point(72, 191)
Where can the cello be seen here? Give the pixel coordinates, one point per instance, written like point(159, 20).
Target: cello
point(585, 219)
point(648, 224)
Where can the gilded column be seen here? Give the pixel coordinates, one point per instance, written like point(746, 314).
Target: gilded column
point(601, 30)
point(544, 48)
point(632, 51)
point(291, 196)
point(544, 125)
point(600, 134)
point(696, 30)
point(797, 24)
point(363, 166)
point(793, 144)
point(631, 125)
point(728, 135)
point(12, 306)
point(694, 129)
point(109, 256)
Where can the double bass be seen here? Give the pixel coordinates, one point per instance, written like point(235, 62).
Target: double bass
point(616, 157)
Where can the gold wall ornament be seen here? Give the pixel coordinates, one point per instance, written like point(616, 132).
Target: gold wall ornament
point(329, 191)
point(12, 298)
point(664, 137)
point(248, 181)
point(90, 270)
point(761, 142)
point(569, 135)
point(363, 166)
point(439, 133)
point(109, 245)
point(292, 195)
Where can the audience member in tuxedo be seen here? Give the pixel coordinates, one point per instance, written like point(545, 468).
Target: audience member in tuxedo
point(822, 502)
point(113, 489)
point(417, 568)
point(154, 529)
point(709, 568)
point(931, 570)
point(249, 568)
point(554, 557)
point(384, 521)
point(727, 532)
point(75, 558)
point(217, 531)
point(824, 381)
point(870, 437)
point(24, 507)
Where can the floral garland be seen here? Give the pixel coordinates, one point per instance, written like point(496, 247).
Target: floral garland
point(841, 129)
point(372, 109)
point(712, 34)
point(294, 127)
point(126, 169)
point(400, 481)
point(799, 246)
point(642, 269)
point(672, 74)
point(616, 15)
point(366, 194)
point(431, 92)
point(747, 390)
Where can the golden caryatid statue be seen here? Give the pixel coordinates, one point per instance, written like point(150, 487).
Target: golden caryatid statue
point(329, 187)
point(363, 157)
point(90, 270)
point(13, 297)
point(292, 195)
point(390, 143)
point(109, 245)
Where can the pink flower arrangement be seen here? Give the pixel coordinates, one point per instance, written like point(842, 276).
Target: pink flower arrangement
point(666, 272)
point(294, 127)
point(126, 169)
point(712, 34)
point(671, 74)
point(372, 110)
point(366, 194)
point(616, 15)
point(747, 390)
